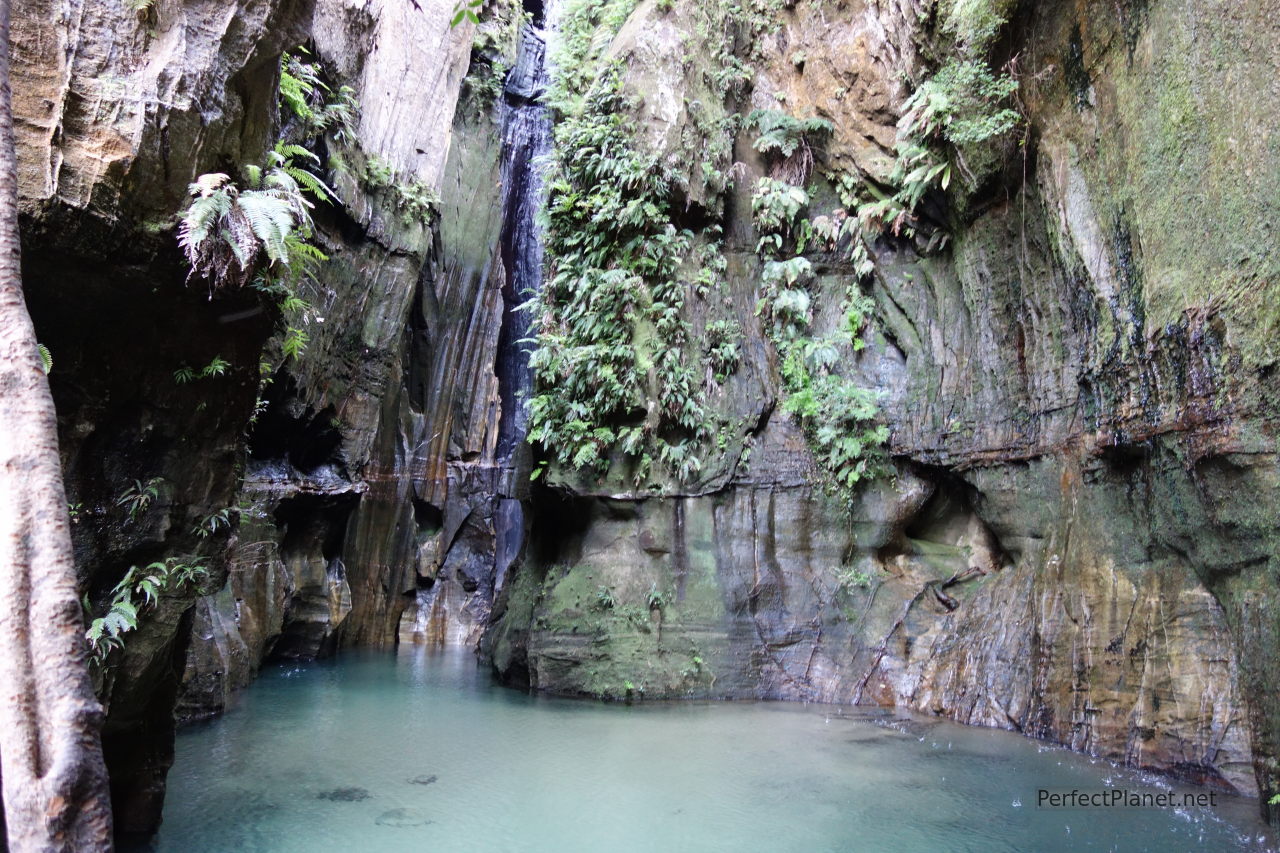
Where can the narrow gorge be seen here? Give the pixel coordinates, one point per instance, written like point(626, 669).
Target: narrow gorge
point(901, 354)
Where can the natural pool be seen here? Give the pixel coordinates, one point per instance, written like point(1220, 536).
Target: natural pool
point(420, 751)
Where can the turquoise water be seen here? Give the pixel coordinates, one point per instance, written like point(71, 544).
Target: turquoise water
point(340, 756)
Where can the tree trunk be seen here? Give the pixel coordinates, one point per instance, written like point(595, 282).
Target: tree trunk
point(54, 781)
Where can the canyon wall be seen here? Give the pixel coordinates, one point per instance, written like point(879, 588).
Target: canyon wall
point(1074, 540)
point(1072, 537)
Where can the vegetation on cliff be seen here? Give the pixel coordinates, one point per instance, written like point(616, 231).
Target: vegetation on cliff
point(615, 369)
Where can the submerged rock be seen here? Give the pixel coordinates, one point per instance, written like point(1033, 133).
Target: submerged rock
point(403, 817)
point(423, 779)
point(344, 795)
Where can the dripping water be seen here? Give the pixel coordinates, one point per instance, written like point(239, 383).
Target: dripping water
point(439, 615)
point(526, 141)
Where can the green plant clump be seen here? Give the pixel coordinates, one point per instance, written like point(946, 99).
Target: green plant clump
point(232, 233)
point(310, 103)
point(137, 591)
point(617, 378)
point(840, 418)
point(138, 497)
point(415, 200)
point(777, 209)
point(786, 141)
point(951, 123)
point(216, 367)
point(975, 23)
point(722, 348)
point(848, 578)
point(610, 364)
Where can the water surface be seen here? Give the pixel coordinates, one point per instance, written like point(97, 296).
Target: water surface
point(339, 756)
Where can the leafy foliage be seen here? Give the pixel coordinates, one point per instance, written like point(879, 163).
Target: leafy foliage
point(839, 417)
point(216, 367)
point(777, 209)
point(307, 101)
point(583, 38)
point(786, 141)
point(213, 522)
point(849, 578)
point(605, 599)
point(723, 339)
point(950, 135)
point(951, 118)
point(414, 199)
point(466, 10)
point(842, 232)
point(959, 104)
point(610, 365)
point(138, 497)
point(619, 378)
point(975, 23)
point(136, 592)
point(229, 234)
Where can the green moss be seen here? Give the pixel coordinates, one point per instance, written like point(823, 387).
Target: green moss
point(634, 639)
point(632, 617)
point(1183, 168)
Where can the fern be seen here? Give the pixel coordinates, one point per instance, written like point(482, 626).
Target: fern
point(282, 159)
point(284, 152)
point(229, 233)
point(295, 341)
point(309, 182)
point(786, 141)
point(271, 219)
point(137, 591)
point(304, 96)
point(203, 214)
point(46, 358)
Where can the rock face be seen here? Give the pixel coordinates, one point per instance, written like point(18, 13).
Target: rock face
point(1079, 395)
point(1075, 540)
point(117, 113)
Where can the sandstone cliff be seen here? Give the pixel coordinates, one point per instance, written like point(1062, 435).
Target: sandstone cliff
point(1073, 535)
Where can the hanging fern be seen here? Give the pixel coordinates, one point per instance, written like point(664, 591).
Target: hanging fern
point(786, 142)
point(230, 233)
